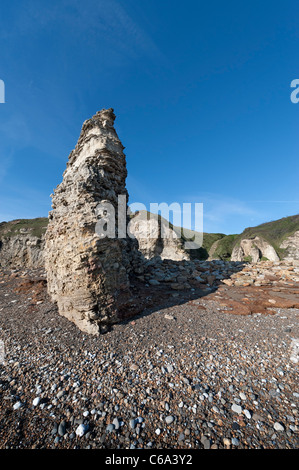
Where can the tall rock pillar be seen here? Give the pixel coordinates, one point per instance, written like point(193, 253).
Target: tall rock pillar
point(88, 275)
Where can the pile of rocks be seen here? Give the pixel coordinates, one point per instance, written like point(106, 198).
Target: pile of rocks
point(187, 274)
point(265, 273)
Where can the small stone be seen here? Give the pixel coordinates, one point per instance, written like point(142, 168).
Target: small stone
point(226, 442)
point(169, 419)
point(116, 424)
point(82, 429)
point(236, 408)
point(133, 423)
point(36, 401)
point(247, 414)
point(206, 442)
point(168, 317)
point(62, 428)
point(54, 429)
point(278, 427)
point(110, 427)
point(235, 441)
point(17, 405)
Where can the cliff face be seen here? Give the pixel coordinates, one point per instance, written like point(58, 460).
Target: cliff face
point(254, 249)
point(291, 246)
point(88, 275)
point(22, 243)
point(156, 238)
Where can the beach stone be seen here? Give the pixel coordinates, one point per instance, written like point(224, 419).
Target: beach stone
point(110, 427)
point(169, 419)
point(278, 427)
point(82, 429)
point(62, 428)
point(236, 408)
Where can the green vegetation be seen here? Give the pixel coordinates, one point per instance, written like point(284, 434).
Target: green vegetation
point(225, 247)
point(208, 240)
point(35, 227)
point(273, 232)
point(248, 259)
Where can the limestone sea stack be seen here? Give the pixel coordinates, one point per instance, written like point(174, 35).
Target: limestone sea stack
point(88, 274)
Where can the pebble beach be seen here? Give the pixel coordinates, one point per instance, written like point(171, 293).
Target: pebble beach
point(180, 375)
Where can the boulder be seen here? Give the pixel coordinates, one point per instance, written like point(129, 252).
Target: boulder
point(254, 249)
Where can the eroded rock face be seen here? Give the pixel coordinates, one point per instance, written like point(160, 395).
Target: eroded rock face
point(88, 276)
point(255, 248)
point(291, 245)
point(22, 251)
point(22, 246)
point(156, 238)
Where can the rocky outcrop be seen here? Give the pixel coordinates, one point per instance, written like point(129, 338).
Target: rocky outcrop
point(291, 245)
point(87, 273)
point(253, 250)
point(156, 238)
point(22, 247)
point(22, 251)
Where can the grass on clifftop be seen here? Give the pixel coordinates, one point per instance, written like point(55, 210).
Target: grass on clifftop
point(273, 232)
point(225, 247)
point(35, 227)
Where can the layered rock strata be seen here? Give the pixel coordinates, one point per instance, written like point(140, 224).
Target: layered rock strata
point(22, 251)
point(87, 273)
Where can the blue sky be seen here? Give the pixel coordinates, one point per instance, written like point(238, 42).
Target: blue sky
point(201, 91)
